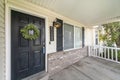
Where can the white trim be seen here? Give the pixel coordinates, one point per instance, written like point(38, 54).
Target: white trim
point(74, 36)
point(8, 42)
point(8, 9)
point(63, 36)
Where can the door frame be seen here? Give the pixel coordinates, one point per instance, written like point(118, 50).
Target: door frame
point(8, 8)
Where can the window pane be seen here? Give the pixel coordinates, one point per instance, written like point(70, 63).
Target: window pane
point(78, 37)
point(68, 36)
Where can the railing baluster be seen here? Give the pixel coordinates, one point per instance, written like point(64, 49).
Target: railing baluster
point(102, 52)
point(93, 50)
point(112, 54)
point(108, 54)
point(105, 53)
point(89, 51)
point(96, 52)
point(99, 51)
point(116, 54)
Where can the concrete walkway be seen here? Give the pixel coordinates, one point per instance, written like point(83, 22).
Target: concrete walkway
point(90, 68)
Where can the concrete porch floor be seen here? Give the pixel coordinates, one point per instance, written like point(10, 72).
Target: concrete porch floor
point(90, 68)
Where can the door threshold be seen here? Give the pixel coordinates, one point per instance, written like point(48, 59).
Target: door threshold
point(38, 76)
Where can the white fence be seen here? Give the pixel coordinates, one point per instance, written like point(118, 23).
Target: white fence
point(108, 53)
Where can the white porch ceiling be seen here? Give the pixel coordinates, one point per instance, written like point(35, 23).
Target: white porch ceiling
point(87, 12)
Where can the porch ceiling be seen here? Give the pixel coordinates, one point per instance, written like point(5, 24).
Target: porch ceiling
point(87, 12)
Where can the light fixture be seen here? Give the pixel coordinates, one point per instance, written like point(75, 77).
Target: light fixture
point(56, 24)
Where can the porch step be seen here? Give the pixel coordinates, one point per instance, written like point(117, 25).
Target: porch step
point(39, 76)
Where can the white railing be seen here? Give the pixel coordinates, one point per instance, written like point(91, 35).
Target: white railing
point(108, 53)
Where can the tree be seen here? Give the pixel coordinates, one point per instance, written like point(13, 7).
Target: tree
point(111, 34)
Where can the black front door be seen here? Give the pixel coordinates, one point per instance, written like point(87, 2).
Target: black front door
point(27, 56)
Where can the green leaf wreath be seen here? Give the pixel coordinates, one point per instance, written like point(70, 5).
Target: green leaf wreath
point(25, 32)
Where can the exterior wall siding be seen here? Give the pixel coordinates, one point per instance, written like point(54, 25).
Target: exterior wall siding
point(2, 39)
point(51, 16)
point(60, 60)
point(89, 36)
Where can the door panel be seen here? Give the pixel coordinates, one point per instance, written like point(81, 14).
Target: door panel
point(37, 59)
point(21, 41)
point(26, 55)
point(23, 61)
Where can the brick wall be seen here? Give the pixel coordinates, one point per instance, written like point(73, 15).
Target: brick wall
point(2, 38)
point(59, 60)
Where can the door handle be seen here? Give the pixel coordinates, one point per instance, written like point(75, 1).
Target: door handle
point(43, 43)
point(37, 51)
point(43, 50)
